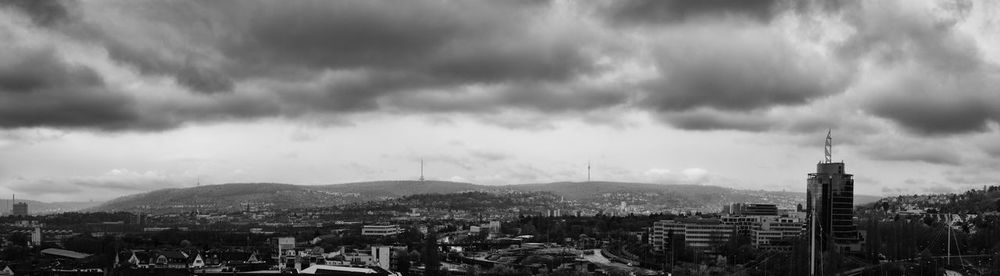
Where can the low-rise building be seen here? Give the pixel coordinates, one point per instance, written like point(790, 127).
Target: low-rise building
point(381, 230)
point(776, 234)
point(703, 235)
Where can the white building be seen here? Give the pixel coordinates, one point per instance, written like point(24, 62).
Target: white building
point(381, 256)
point(286, 252)
point(699, 234)
point(381, 230)
point(775, 234)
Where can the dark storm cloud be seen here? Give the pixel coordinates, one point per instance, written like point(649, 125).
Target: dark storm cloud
point(740, 83)
point(930, 77)
point(936, 112)
point(935, 79)
point(717, 75)
point(705, 119)
point(718, 64)
point(186, 72)
point(376, 51)
point(38, 88)
point(668, 11)
point(42, 12)
point(440, 42)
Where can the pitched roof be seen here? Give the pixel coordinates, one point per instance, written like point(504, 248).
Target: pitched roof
point(234, 256)
point(64, 253)
point(192, 256)
point(143, 256)
point(173, 255)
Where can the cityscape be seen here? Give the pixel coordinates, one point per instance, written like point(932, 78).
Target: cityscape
point(495, 138)
point(510, 232)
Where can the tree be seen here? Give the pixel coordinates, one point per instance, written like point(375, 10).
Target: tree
point(19, 238)
point(415, 256)
point(402, 262)
point(528, 229)
point(432, 262)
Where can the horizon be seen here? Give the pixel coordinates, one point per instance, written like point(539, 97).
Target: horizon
point(426, 180)
point(101, 99)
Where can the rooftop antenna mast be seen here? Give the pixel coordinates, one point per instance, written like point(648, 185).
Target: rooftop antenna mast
point(588, 171)
point(829, 147)
point(421, 169)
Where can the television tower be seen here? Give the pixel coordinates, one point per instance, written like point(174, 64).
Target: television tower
point(588, 171)
point(421, 169)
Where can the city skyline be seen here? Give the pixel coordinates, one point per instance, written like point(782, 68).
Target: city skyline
point(104, 99)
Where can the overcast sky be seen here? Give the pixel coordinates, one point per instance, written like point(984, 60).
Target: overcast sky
point(105, 98)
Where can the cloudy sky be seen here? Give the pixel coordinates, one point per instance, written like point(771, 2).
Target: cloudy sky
point(104, 98)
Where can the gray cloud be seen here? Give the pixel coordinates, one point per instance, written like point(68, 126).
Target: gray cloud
point(378, 52)
point(967, 176)
point(38, 88)
point(895, 151)
point(939, 189)
point(717, 64)
point(188, 71)
point(722, 66)
point(490, 156)
point(933, 78)
point(709, 119)
point(547, 97)
point(923, 106)
point(42, 12)
point(669, 11)
point(113, 182)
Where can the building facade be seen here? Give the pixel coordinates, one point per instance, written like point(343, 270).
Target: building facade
point(381, 230)
point(703, 235)
point(753, 209)
point(830, 201)
point(776, 234)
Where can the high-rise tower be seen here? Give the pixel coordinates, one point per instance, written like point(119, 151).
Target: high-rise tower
point(830, 200)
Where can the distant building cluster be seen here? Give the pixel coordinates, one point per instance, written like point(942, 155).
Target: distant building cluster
point(767, 227)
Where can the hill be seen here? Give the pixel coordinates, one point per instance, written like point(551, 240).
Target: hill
point(233, 197)
point(237, 196)
point(393, 189)
point(972, 201)
point(41, 208)
point(659, 196)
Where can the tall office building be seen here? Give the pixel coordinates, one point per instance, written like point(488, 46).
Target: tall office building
point(830, 200)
